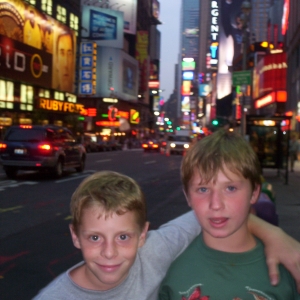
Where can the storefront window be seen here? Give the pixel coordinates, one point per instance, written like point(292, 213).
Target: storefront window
point(6, 94)
point(46, 6)
point(26, 97)
point(74, 23)
point(44, 93)
point(59, 96)
point(71, 98)
point(61, 14)
point(32, 2)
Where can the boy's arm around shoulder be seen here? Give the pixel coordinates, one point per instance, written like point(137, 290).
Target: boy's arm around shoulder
point(178, 233)
point(279, 248)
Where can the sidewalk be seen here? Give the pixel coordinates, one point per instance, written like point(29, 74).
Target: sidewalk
point(287, 199)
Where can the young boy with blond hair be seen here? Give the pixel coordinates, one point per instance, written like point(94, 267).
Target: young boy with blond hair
point(109, 225)
point(221, 180)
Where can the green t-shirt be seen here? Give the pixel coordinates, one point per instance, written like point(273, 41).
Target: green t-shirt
point(202, 273)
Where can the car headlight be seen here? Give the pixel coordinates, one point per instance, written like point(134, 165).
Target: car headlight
point(186, 146)
point(172, 145)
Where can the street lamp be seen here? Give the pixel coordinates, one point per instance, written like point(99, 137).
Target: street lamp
point(246, 9)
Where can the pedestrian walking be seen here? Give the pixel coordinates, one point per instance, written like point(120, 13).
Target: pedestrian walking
point(293, 151)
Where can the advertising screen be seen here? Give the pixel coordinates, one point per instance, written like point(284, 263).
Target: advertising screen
point(116, 81)
point(35, 48)
point(130, 77)
point(188, 65)
point(187, 75)
point(269, 74)
point(103, 26)
point(127, 7)
point(230, 37)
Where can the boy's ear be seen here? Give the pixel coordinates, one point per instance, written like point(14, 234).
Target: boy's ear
point(255, 194)
point(74, 236)
point(143, 235)
point(186, 198)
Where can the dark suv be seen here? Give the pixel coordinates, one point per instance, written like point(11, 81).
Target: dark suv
point(49, 147)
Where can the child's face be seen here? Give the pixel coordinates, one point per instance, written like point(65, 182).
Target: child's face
point(109, 247)
point(222, 209)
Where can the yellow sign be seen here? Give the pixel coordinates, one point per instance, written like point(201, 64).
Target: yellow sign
point(55, 105)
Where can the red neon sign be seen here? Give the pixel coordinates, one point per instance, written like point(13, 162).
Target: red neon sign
point(279, 96)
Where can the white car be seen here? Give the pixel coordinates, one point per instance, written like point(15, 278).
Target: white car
point(178, 144)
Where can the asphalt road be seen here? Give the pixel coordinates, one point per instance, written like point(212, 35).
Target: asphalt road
point(35, 244)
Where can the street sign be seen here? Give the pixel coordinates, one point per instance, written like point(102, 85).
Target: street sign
point(242, 78)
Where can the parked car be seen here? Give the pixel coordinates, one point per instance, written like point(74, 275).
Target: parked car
point(151, 145)
point(102, 146)
point(114, 145)
point(177, 144)
point(36, 147)
point(90, 142)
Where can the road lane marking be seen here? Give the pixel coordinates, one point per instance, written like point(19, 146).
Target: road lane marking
point(103, 160)
point(2, 210)
point(150, 162)
point(14, 183)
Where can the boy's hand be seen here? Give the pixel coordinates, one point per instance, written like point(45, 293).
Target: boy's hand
point(279, 248)
point(286, 250)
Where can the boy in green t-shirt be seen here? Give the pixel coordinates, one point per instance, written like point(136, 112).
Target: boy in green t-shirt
point(221, 179)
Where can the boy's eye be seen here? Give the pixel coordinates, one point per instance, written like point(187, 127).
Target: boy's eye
point(94, 238)
point(202, 189)
point(231, 188)
point(123, 237)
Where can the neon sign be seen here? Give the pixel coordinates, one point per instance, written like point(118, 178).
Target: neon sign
point(55, 105)
point(214, 32)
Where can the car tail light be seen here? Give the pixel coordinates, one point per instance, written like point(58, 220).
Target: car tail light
point(164, 143)
point(2, 147)
point(155, 146)
point(45, 147)
point(144, 145)
point(26, 126)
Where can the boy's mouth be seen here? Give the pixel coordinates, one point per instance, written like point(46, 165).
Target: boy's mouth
point(218, 222)
point(109, 268)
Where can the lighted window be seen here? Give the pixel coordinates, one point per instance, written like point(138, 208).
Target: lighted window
point(74, 23)
point(46, 6)
point(6, 94)
point(44, 93)
point(61, 14)
point(32, 2)
point(26, 97)
point(71, 98)
point(59, 96)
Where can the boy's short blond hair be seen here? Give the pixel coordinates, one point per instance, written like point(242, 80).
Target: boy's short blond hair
point(112, 191)
point(214, 152)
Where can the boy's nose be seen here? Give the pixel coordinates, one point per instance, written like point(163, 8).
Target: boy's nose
point(216, 202)
point(109, 250)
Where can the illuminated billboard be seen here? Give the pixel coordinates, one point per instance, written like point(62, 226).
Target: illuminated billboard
point(187, 75)
point(141, 54)
point(128, 8)
point(117, 73)
point(188, 65)
point(185, 104)
point(269, 74)
point(102, 26)
point(32, 47)
point(230, 43)
point(186, 87)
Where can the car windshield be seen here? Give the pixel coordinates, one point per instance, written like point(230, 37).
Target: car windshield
point(23, 135)
point(179, 138)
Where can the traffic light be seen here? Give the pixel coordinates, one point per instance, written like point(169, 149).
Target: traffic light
point(215, 122)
